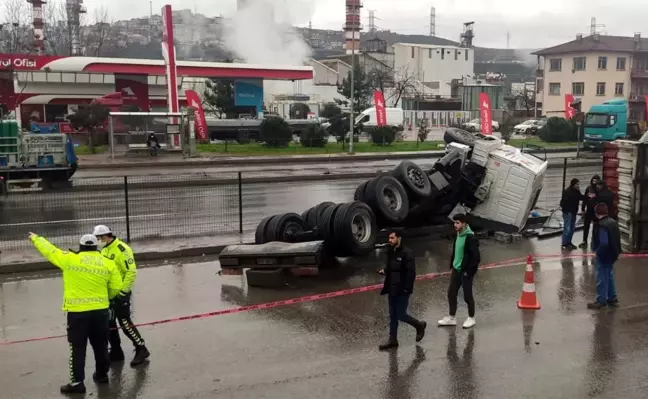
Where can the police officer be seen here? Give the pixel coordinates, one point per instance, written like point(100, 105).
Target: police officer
point(89, 282)
point(400, 274)
point(118, 251)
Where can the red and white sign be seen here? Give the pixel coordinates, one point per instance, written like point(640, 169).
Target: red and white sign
point(200, 123)
point(381, 110)
point(22, 62)
point(168, 52)
point(486, 114)
point(134, 89)
point(646, 99)
point(569, 111)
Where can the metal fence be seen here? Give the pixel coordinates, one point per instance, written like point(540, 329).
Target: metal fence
point(141, 208)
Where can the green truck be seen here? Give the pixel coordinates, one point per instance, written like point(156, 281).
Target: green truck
point(607, 122)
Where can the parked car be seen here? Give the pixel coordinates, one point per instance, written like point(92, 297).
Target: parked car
point(524, 127)
point(475, 125)
point(535, 128)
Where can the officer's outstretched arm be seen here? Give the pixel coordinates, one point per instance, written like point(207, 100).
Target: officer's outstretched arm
point(115, 282)
point(51, 252)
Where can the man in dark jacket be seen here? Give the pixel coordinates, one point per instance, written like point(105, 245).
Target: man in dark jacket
point(463, 263)
point(589, 202)
point(569, 202)
point(400, 274)
point(607, 253)
point(603, 196)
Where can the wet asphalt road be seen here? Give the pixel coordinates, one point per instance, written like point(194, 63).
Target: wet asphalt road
point(327, 349)
point(158, 213)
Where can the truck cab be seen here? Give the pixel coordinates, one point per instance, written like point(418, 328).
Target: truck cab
point(604, 123)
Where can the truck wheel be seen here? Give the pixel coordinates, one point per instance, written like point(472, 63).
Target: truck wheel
point(355, 229)
point(262, 227)
point(388, 198)
point(413, 178)
point(307, 216)
point(317, 213)
point(359, 192)
point(455, 135)
point(284, 227)
point(325, 223)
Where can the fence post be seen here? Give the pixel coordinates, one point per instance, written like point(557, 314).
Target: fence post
point(128, 232)
point(240, 204)
point(564, 173)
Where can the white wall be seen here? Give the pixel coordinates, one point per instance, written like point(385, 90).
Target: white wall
point(434, 64)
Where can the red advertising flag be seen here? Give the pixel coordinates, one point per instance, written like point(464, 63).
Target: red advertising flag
point(485, 114)
point(646, 98)
point(569, 111)
point(168, 52)
point(381, 111)
point(200, 123)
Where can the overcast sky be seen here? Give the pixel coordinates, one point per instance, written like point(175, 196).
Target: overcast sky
point(531, 24)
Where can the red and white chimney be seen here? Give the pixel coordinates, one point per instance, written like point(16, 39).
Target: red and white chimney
point(39, 25)
point(352, 26)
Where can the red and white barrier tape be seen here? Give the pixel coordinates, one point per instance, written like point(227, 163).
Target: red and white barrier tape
point(327, 295)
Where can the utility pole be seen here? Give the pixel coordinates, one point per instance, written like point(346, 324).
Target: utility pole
point(508, 40)
point(352, 117)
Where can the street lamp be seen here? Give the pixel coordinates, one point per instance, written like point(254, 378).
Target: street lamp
point(351, 118)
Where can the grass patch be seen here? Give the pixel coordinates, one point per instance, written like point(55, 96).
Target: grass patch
point(537, 141)
point(85, 150)
point(253, 149)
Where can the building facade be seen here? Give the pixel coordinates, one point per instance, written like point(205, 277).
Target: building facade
point(436, 67)
point(593, 69)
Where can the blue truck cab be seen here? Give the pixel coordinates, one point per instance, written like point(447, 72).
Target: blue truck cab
point(605, 122)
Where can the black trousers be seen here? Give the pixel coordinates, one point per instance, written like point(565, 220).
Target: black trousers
point(458, 280)
point(121, 315)
point(588, 221)
point(83, 327)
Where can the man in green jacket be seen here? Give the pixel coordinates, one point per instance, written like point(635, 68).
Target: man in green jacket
point(464, 263)
point(117, 250)
point(90, 281)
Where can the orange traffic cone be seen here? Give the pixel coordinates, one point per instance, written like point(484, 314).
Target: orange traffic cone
point(528, 299)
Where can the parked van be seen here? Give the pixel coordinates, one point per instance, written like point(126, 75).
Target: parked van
point(367, 118)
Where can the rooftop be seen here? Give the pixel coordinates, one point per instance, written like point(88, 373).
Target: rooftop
point(426, 45)
point(598, 42)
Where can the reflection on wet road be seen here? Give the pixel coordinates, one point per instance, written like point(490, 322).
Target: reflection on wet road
point(327, 348)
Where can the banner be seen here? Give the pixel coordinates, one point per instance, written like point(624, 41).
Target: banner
point(646, 99)
point(569, 111)
point(381, 111)
point(200, 123)
point(168, 52)
point(486, 114)
point(134, 89)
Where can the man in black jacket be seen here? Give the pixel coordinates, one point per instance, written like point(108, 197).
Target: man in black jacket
point(603, 196)
point(463, 263)
point(569, 202)
point(400, 274)
point(589, 202)
point(607, 253)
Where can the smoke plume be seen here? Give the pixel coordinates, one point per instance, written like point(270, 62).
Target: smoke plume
point(262, 32)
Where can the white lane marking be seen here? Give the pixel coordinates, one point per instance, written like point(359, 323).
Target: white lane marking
point(81, 220)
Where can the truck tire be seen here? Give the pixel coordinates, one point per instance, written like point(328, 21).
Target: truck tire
point(317, 213)
point(307, 216)
point(355, 229)
point(359, 192)
point(283, 227)
point(325, 223)
point(262, 227)
point(388, 199)
point(413, 178)
point(456, 135)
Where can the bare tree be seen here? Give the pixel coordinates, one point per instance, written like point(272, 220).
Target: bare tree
point(58, 34)
point(15, 31)
point(405, 86)
point(522, 98)
point(103, 37)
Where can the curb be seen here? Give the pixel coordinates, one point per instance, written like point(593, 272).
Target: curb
point(290, 159)
point(13, 268)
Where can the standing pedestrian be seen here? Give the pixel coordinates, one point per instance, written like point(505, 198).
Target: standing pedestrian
point(603, 196)
point(400, 273)
point(589, 202)
point(89, 282)
point(117, 250)
point(464, 262)
point(607, 253)
point(569, 203)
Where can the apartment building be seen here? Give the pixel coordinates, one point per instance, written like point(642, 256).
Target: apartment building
point(593, 69)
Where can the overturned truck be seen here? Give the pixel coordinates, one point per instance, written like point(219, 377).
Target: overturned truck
point(495, 184)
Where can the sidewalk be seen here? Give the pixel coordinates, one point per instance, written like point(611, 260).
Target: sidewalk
point(147, 251)
point(104, 161)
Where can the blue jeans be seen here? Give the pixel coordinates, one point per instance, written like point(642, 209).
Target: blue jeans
point(605, 285)
point(398, 312)
point(569, 222)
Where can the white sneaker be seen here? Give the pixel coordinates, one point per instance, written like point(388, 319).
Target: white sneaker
point(448, 321)
point(470, 322)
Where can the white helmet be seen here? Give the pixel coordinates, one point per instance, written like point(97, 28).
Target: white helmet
point(101, 230)
point(89, 240)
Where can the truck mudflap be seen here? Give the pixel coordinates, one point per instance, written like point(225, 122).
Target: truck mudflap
point(272, 255)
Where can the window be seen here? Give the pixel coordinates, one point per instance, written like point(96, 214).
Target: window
point(555, 64)
point(618, 89)
point(621, 63)
point(602, 63)
point(578, 89)
point(412, 52)
point(442, 53)
point(456, 55)
point(554, 89)
point(600, 88)
point(466, 53)
point(579, 64)
point(539, 86)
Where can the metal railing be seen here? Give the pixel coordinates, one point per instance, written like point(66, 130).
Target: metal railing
point(164, 207)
